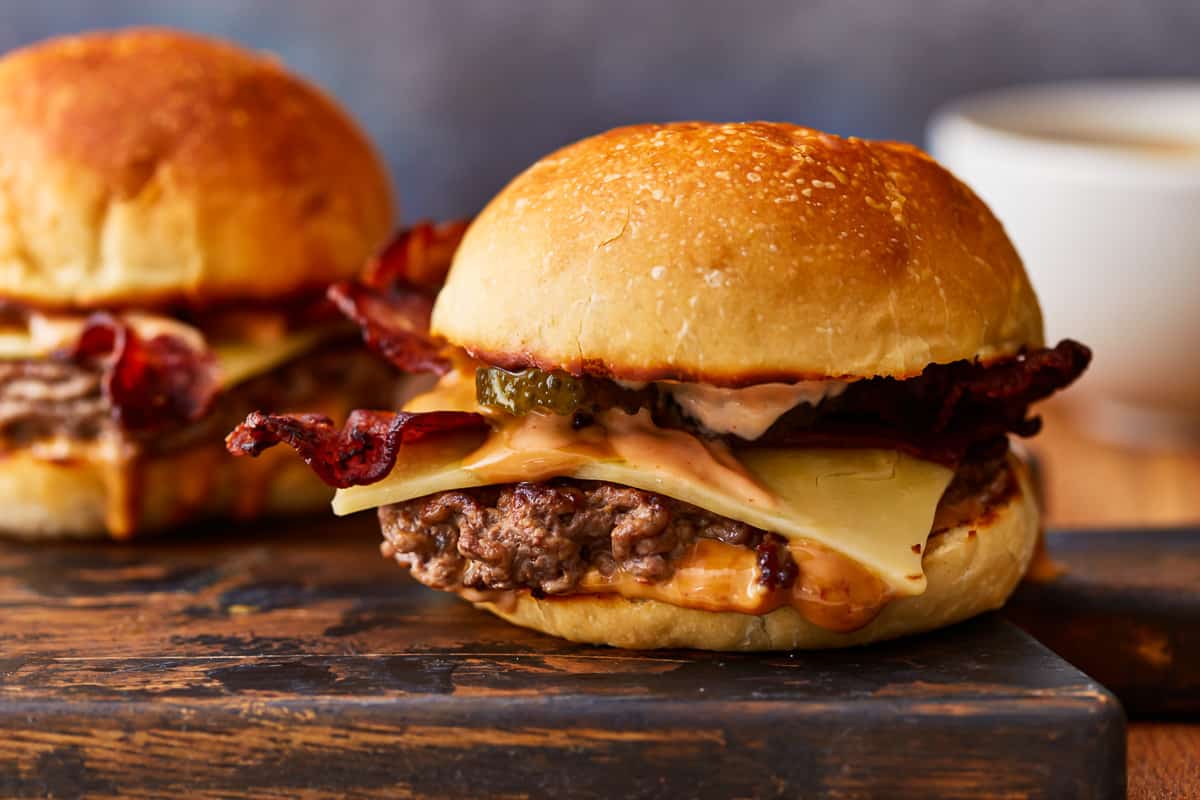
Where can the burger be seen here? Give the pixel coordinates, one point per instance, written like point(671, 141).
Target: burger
point(172, 209)
point(719, 386)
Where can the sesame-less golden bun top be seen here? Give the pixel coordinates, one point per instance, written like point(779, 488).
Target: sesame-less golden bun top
point(148, 166)
point(736, 254)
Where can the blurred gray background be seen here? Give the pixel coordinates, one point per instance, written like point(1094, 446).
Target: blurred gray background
point(462, 94)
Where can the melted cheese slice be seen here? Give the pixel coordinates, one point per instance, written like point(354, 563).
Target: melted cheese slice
point(238, 360)
point(874, 506)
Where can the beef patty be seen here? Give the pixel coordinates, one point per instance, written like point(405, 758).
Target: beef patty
point(45, 398)
point(546, 536)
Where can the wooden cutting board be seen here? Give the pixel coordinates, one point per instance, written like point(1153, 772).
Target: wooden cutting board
point(1123, 605)
point(298, 662)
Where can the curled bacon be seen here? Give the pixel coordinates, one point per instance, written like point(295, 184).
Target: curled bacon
point(966, 396)
point(942, 413)
point(149, 383)
point(362, 452)
point(393, 301)
point(394, 324)
point(419, 257)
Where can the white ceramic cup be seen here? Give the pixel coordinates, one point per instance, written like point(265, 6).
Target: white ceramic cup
point(1098, 184)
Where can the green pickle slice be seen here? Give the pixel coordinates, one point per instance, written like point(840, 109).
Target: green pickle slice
point(529, 390)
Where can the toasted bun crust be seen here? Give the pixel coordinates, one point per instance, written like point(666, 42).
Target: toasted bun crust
point(736, 254)
point(108, 489)
point(970, 569)
point(91, 499)
point(147, 167)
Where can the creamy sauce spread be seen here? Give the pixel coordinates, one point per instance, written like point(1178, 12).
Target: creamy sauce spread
point(832, 591)
point(712, 576)
point(636, 439)
point(536, 447)
point(747, 412)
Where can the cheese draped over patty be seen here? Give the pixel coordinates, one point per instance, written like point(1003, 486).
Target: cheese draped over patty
point(875, 506)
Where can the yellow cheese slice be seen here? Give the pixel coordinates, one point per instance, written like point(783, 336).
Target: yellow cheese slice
point(875, 506)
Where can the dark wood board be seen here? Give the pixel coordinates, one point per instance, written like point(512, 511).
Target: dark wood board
point(298, 662)
point(1125, 608)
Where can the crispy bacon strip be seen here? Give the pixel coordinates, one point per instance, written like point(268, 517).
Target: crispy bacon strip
point(941, 414)
point(393, 301)
point(362, 452)
point(419, 257)
point(984, 400)
point(149, 383)
point(394, 324)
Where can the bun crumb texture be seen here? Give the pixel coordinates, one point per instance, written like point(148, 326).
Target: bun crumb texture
point(150, 167)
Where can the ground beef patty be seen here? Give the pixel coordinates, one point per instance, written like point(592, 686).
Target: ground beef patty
point(46, 398)
point(545, 536)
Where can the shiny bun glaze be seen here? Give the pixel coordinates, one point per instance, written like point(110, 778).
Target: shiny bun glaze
point(736, 254)
point(146, 167)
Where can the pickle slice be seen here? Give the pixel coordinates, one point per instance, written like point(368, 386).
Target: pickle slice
point(529, 390)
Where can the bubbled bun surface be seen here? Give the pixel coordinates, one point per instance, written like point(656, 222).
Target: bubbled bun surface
point(736, 254)
point(147, 166)
point(970, 569)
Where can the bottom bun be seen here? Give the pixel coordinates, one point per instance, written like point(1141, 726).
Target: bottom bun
point(84, 498)
point(970, 569)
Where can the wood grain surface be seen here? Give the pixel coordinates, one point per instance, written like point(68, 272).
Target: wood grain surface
point(1164, 761)
point(300, 662)
point(1123, 606)
point(1089, 483)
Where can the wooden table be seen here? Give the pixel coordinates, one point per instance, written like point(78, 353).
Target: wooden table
point(294, 661)
point(1091, 484)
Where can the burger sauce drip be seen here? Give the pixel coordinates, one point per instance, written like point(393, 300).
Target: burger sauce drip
point(834, 591)
point(828, 589)
point(123, 482)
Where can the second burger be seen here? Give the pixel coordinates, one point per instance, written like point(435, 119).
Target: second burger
point(172, 209)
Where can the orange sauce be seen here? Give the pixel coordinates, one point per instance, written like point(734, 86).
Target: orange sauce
point(636, 439)
point(536, 447)
point(713, 576)
point(832, 591)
